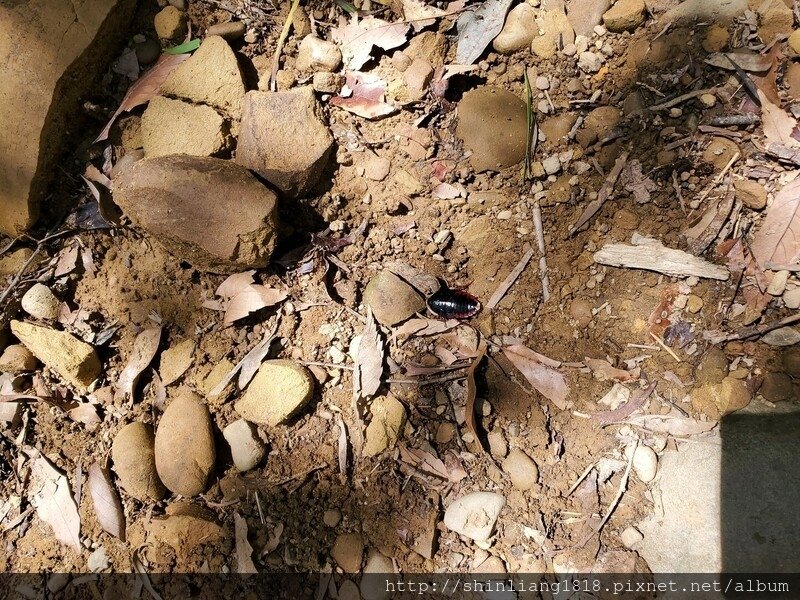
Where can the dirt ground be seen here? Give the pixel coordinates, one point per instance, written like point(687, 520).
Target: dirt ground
point(297, 502)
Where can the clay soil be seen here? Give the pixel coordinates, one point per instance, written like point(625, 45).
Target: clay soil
point(593, 311)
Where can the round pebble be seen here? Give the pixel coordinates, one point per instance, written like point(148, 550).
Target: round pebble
point(40, 302)
point(184, 446)
point(521, 470)
point(280, 389)
point(645, 462)
point(232, 30)
point(134, 462)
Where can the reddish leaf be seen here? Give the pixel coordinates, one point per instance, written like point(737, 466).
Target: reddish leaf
point(144, 350)
point(367, 99)
point(777, 241)
point(107, 505)
point(545, 379)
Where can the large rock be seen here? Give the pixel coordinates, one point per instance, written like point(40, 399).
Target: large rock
point(280, 389)
point(50, 53)
point(391, 299)
point(585, 15)
point(72, 359)
point(518, 31)
point(284, 139)
point(625, 15)
point(210, 76)
point(211, 212)
point(177, 127)
point(555, 30)
point(184, 446)
point(492, 123)
point(474, 515)
point(718, 11)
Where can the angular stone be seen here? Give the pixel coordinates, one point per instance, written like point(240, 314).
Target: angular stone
point(72, 359)
point(177, 127)
point(184, 445)
point(555, 31)
point(16, 358)
point(518, 31)
point(247, 449)
point(210, 212)
point(391, 299)
point(170, 23)
point(315, 55)
point(134, 459)
point(719, 399)
point(284, 139)
point(383, 431)
point(474, 515)
point(210, 76)
point(278, 391)
point(49, 57)
point(625, 15)
point(751, 193)
point(521, 470)
point(584, 16)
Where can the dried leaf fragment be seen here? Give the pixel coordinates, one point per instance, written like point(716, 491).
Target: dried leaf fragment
point(546, 380)
point(144, 351)
point(252, 298)
point(53, 501)
point(777, 241)
point(244, 551)
point(107, 505)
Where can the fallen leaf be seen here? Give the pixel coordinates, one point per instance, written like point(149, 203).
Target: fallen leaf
point(51, 497)
point(637, 182)
point(253, 359)
point(768, 82)
point(145, 88)
point(368, 360)
point(423, 327)
point(423, 461)
point(777, 241)
point(67, 261)
point(777, 123)
point(127, 64)
point(357, 38)
point(672, 425)
point(603, 370)
point(364, 95)
point(471, 394)
point(477, 28)
point(420, 14)
point(234, 284)
point(445, 191)
point(189, 46)
point(176, 361)
point(604, 194)
point(546, 380)
point(425, 283)
point(144, 351)
point(342, 445)
point(244, 551)
point(747, 60)
point(107, 505)
point(250, 299)
point(637, 400)
point(85, 413)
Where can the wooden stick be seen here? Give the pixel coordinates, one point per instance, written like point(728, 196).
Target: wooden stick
point(273, 84)
point(539, 229)
point(501, 291)
point(719, 177)
point(665, 347)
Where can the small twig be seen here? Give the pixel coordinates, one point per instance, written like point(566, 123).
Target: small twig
point(452, 377)
point(680, 99)
point(738, 120)
point(719, 177)
point(501, 291)
point(273, 84)
point(760, 330)
point(665, 347)
point(18, 277)
point(580, 478)
point(677, 187)
point(260, 512)
point(300, 476)
point(327, 365)
point(604, 194)
point(538, 229)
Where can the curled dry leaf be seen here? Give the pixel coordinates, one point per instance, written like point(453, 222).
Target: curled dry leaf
point(368, 360)
point(423, 282)
point(546, 380)
point(477, 28)
point(365, 96)
point(747, 60)
point(671, 424)
point(777, 123)
point(107, 505)
point(423, 327)
point(358, 37)
point(85, 413)
point(145, 88)
point(776, 244)
point(603, 370)
point(244, 551)
point(67, 260)
point(176, 361)
point(144, 351)
point(235, 283)
point(50, 496)
point(250, 299)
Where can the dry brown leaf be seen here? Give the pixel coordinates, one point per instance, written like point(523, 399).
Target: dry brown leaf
point(107, 505)
point(67, 261)
point(367, 96)
point(603, 370)
point(145, 88)
point(747, 60)
point(471, 393)
point(235, 284)
point(423, 327)
point(636, 401)
point(423, 461)
point(777, 241)
point(144, 351)
point(672, 425)
point(477, 28)
point(368, 370)
point(250, 299)
point(777, 123)
point(420, 14)
point(357, 38)
point(244, 551)
point(546, 380)
point(50, 496)
point(637, 183)
point(425, 283)
point(85, 413)
point(253, 359)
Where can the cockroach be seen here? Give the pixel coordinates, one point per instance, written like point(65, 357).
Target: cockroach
point(453, 304)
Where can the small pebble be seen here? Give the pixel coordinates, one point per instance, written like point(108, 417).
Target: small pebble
point(332, 517)
point(708, 100)
point(552, 165)
point(232, 30)
point(630, 537)
point(542, 83)
point(40, 302)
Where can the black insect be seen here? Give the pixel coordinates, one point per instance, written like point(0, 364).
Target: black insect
point(453, 304)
